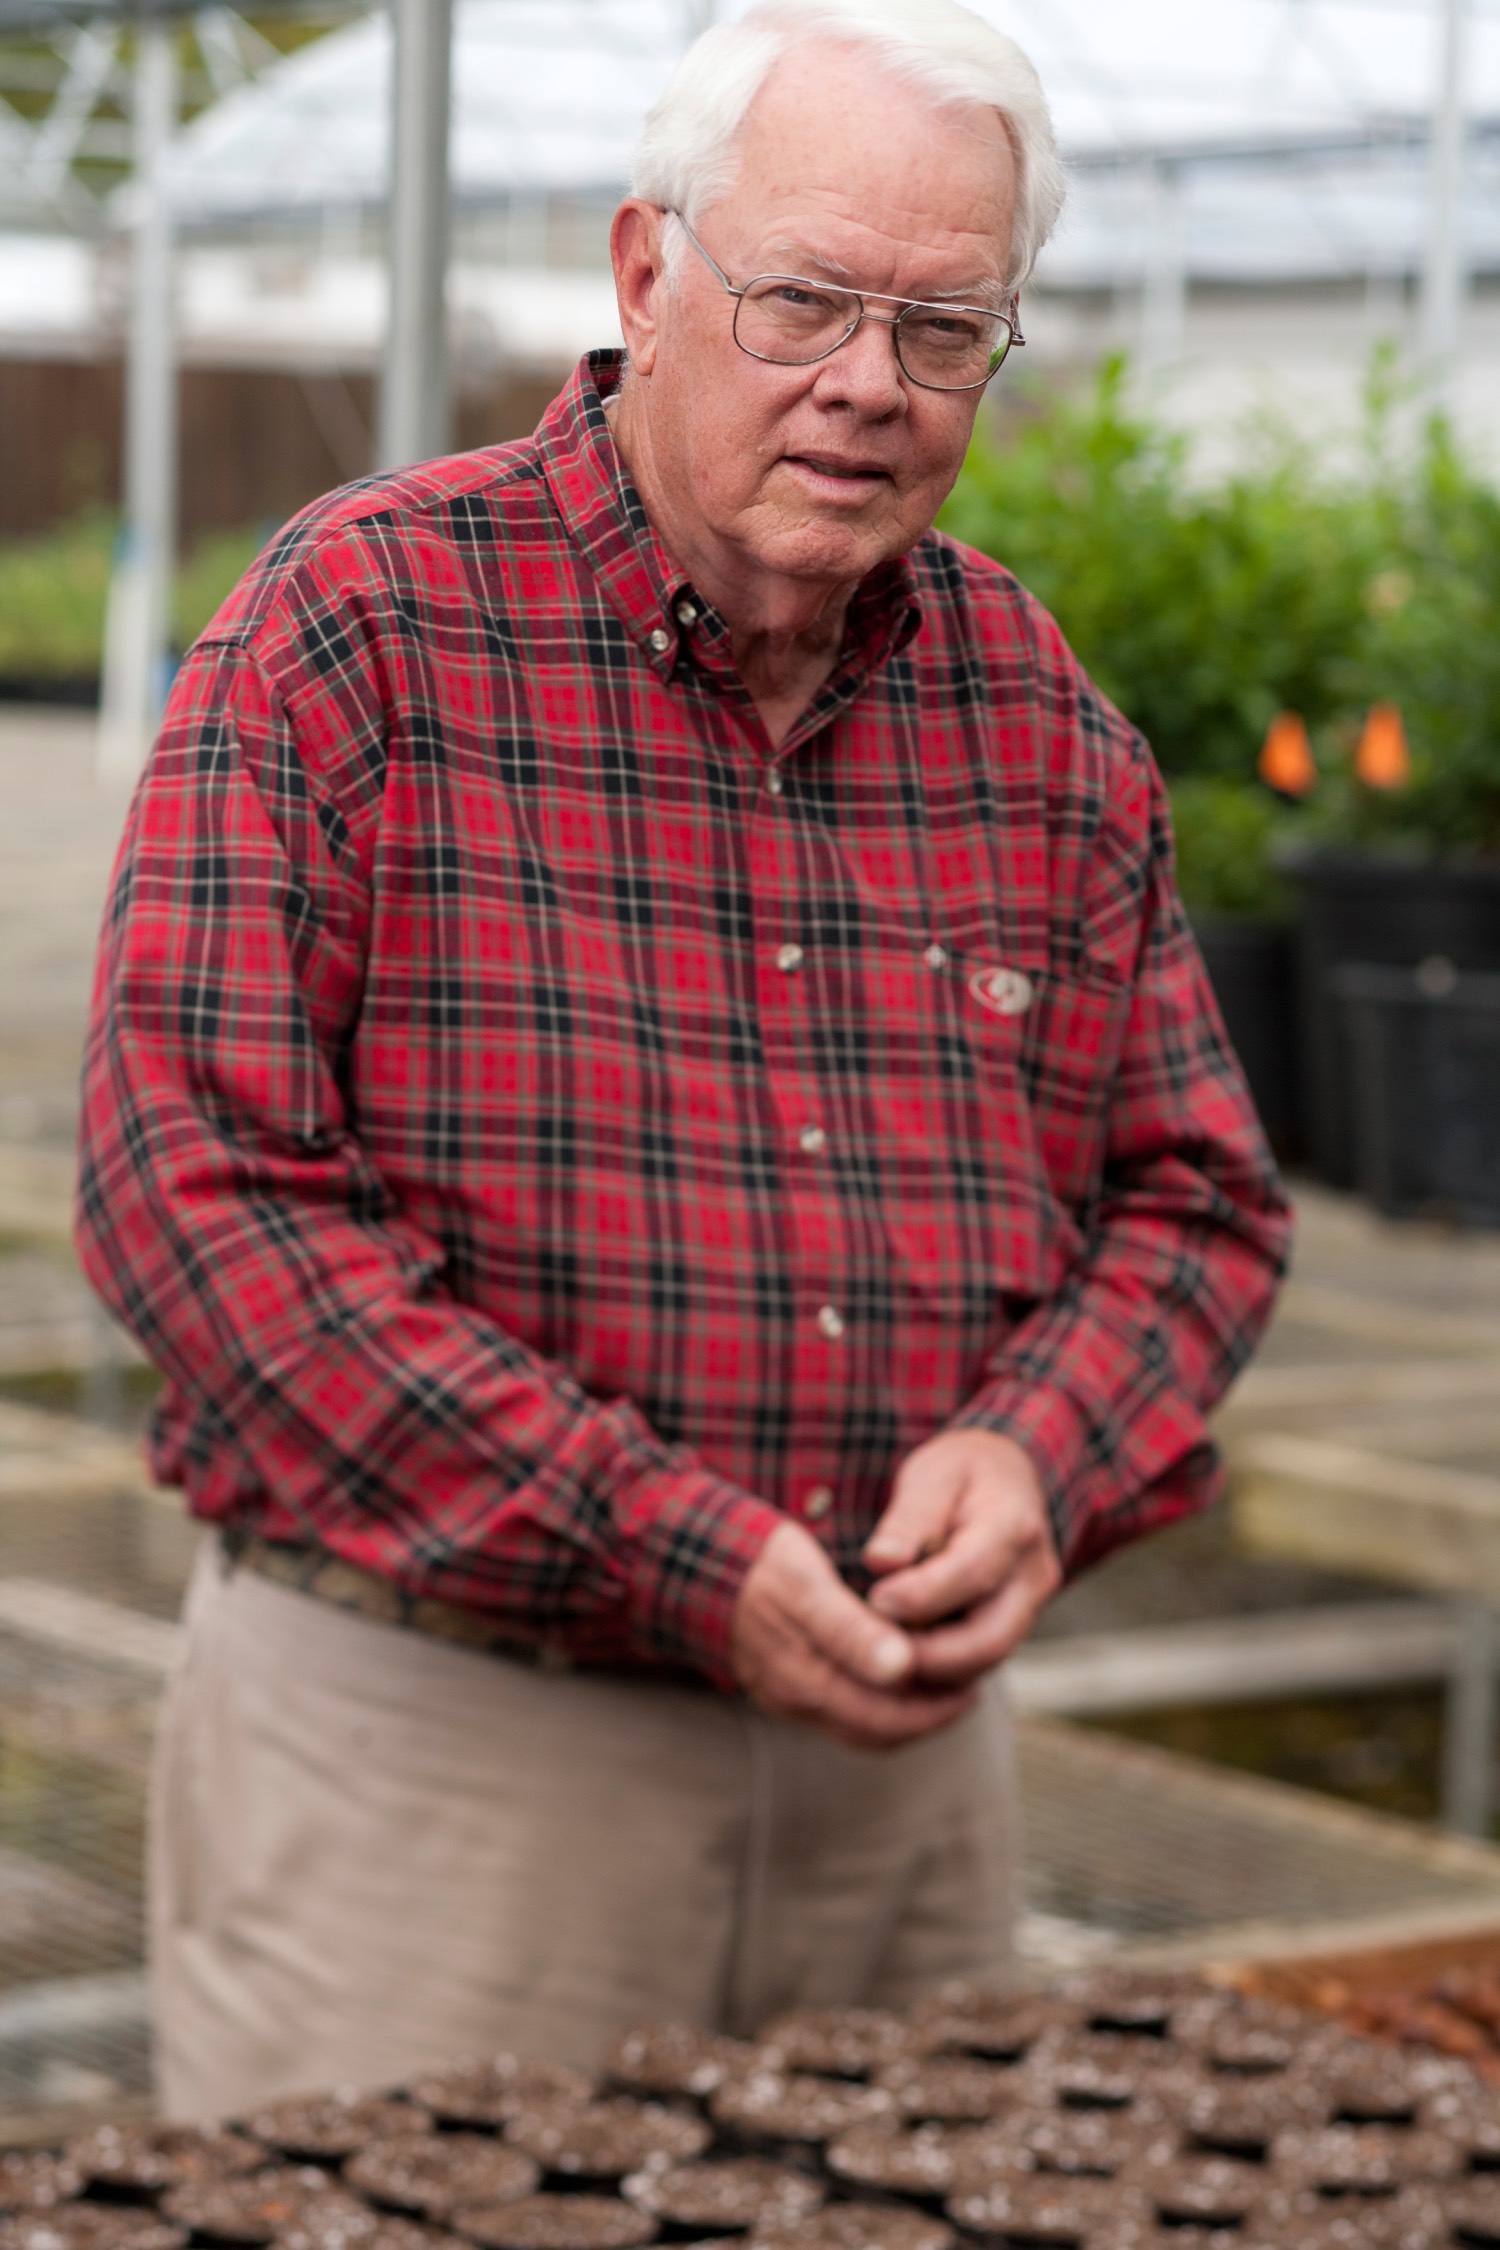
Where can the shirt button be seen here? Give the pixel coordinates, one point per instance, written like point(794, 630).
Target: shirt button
point(830, 1322)
point(812, 1140)
point(686, 613)
point(661, 640)
point(789, 957)
point(936, 957)
point(818, 1503)
point(774, 783)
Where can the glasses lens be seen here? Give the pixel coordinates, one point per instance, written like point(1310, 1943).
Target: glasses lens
point(950, 347)
point(791, 321)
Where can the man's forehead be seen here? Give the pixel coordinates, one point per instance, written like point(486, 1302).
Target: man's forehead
point(844, 172)
point(801, 254)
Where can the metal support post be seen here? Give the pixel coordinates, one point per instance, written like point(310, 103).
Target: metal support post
point(415, 403)
point(1445, 276)
point(1469, 1721)
point(1164, 290)
point(138, 620)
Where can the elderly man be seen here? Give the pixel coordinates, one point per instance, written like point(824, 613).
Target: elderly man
point(653, 1100)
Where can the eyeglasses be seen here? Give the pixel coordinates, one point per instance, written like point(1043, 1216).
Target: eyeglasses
point(792, 322)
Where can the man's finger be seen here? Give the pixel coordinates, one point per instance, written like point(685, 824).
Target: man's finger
point(890, 1726)
point(919, 1515)
point(951, 1656)
point(866, 1718)
point(968, 1570)
point(840, 1626)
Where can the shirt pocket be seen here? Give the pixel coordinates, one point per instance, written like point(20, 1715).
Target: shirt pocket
point(1044, 1045)
point(993, 1000)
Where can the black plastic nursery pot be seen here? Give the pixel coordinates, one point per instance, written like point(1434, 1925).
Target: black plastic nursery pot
point(1386, 912)
point(1250, 966)
point(1422, 1051)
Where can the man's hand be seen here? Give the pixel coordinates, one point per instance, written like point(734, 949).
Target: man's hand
point(806, 1647)
point(964, 1554)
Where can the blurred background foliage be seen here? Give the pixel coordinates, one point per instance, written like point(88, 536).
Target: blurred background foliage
point(1316, 582)
point(1295, 581)
point(53, 592)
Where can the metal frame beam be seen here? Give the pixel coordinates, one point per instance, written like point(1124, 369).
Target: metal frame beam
point(22, 16)
point(138, 618)
point(1444, 283)
point(1379, 136)
point(415, 395)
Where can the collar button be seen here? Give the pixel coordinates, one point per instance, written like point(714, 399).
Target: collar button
point(661, 640)
point(686, 613)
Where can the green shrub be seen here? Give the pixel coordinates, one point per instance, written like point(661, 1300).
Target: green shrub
point(1202, 609)
point(1227, 834)
point(1430, 643)
point(52, 596)
point(53, 592)
point(209, 574)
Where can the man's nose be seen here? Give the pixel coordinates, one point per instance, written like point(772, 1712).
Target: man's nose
point(864, 372)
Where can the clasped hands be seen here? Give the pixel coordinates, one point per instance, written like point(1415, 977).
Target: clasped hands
point(964, 1563)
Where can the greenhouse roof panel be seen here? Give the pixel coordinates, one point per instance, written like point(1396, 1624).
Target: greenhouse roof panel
point(18, 17)
point(1172, 70)
point(20, 197)
point(549, 96)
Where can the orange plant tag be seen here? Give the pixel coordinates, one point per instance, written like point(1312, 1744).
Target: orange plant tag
point(1383, 759)
point(1286, 759)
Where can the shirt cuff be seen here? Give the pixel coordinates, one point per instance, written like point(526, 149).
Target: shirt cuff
point(1049, 1427)
point(1090, 1511)
point(689, 1540)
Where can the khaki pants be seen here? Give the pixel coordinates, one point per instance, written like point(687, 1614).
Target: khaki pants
point(372, 1850)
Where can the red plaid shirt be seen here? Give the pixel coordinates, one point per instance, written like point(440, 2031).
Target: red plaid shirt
point(543, 1134)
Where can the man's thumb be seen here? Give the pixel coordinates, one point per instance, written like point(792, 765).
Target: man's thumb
point(918, 1515)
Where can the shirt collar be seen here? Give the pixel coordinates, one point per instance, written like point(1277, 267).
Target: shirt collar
point(647, 590)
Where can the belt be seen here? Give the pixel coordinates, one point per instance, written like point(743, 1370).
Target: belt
point(312, 1570)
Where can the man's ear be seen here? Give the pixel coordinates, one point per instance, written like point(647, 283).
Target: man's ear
point(635, 251)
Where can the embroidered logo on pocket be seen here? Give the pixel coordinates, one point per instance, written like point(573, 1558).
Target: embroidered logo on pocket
point(1005, 992)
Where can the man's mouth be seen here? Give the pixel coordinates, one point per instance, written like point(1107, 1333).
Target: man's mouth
point(844, 472)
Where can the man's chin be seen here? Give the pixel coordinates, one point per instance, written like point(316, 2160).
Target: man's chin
point(844, 550)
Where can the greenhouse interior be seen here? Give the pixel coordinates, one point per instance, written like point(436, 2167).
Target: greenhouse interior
point(1249, 459)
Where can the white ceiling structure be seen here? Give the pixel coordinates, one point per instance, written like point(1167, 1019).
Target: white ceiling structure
point(549, 95)
point(548, 98)
point(1293, 132)
point(19, 197)
point(1182, 72)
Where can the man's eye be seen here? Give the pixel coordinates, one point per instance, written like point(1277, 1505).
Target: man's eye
point(946, 328)
point(792, 297)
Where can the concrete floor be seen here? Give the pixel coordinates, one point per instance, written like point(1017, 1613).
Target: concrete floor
point(57, 843)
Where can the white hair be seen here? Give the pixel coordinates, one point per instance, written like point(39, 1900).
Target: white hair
point(688, 159)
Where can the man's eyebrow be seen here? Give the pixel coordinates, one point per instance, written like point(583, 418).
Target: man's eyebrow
point(798, 260)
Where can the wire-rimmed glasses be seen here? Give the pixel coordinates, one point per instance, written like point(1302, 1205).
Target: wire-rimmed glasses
point(790, 321)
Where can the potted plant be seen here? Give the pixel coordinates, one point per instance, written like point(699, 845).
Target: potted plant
point(1365, 599)
point(1240, 906)
point(1398, 865)
point(1202, 609)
